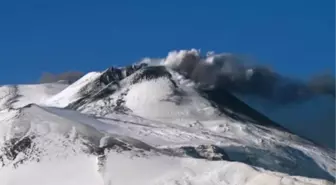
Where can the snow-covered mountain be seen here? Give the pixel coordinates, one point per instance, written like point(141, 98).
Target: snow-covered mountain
point(147, 124)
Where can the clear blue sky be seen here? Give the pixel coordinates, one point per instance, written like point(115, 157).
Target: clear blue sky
point(295, 37)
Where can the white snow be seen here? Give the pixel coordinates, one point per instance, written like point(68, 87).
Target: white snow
point(155, 98)
point(74, 170)
point(122, 170)
point(16, 96)
point(172, 171)
point(28, 94)
point(72, 93)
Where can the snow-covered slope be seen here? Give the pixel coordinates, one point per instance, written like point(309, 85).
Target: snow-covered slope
point(16, 96)
point(148, 125)
point(157, 170)
point(72, 93)
point(58, 138)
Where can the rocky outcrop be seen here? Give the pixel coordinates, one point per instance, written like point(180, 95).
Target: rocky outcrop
point(105, 85)
point(208, 152)
point(16, 151)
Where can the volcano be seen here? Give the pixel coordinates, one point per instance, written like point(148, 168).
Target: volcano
point(147, 124)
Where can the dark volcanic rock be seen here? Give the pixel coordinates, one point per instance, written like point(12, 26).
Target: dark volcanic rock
point(114, 74)
point(151, 72)
point(14, 147)
point(209, 152)
point(105, 85)
point(39, 147)
point(109, 82)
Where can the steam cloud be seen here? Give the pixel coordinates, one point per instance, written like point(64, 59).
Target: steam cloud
point(230, 71)
point(68, 77)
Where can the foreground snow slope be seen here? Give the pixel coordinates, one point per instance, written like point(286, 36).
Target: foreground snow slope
point(147, 125)
point(60, 156)
point(123, 170)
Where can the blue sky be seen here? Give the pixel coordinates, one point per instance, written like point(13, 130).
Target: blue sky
point(295, 37)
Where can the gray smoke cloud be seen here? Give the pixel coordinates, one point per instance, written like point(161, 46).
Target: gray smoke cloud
point(233, 73)
point(68, 77)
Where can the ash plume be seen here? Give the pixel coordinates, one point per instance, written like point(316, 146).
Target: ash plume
point(233, 73)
